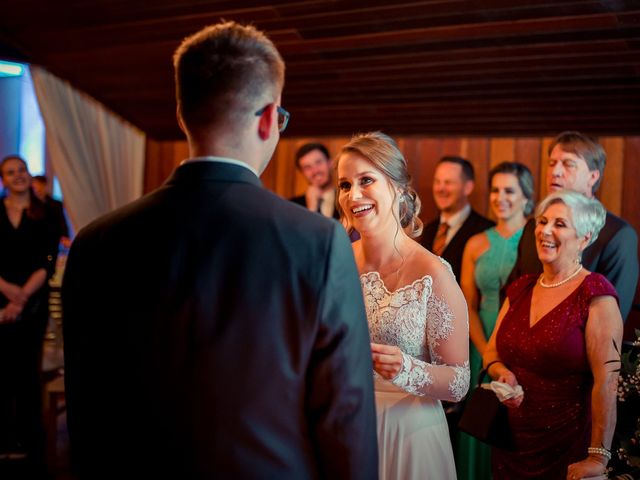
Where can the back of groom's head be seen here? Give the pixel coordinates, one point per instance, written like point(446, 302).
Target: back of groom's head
point(223, 74)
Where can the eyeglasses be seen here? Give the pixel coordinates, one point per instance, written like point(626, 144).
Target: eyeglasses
point(283, 117)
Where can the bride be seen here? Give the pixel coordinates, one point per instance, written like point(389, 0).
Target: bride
point(417, 314)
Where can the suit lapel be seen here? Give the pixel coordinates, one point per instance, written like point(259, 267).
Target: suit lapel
point(466, 225)
point(430, 234)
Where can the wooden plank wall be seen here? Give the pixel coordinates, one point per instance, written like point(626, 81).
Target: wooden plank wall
point(619, 190)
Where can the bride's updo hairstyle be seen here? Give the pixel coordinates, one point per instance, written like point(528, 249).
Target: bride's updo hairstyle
point(383, 153)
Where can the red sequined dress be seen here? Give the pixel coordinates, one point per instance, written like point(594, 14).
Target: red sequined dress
point(552, 427)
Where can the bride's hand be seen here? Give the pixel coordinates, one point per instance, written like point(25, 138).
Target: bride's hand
point(387, 360)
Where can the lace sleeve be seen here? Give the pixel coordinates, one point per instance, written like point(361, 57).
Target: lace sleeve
point(446, 376)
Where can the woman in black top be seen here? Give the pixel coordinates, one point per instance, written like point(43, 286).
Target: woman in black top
point(28, 250)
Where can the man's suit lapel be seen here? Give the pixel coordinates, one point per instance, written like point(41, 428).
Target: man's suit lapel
point(461, 233)
point(429, 235)
point(591, 255)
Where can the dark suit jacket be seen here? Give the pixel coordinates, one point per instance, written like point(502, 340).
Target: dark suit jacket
point(215, 330)
point(614, 254)
point(57, 210)
point(302, 200)
point(475, 223)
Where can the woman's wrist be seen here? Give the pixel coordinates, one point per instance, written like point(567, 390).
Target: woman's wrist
point(27, 291)
point(35, 282)
point(599, 454)
point(493, 365)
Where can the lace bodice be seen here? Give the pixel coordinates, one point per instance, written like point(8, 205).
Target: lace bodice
point(427, 328)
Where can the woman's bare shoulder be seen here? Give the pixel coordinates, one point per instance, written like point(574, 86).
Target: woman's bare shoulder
point(477, 244)
point(427, 263)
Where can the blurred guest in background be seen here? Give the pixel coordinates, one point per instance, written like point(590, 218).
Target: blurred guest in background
point(487, 261)
point(554, 336)
point(453, 182)
point(28, 249)
point(41, 190)
point(314, 162)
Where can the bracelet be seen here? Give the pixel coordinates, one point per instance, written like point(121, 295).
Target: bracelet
point(492, 362)
point(599, 451)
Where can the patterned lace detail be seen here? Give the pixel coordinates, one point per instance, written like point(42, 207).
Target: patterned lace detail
point(412, 377)
point(397, 318)
point(417, 321)
point(440, 326)
point(460, 383)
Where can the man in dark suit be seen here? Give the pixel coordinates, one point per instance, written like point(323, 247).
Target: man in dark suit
point(453, 182)
point(213, 329)
point(576, 162)
point(40, 186)
point(314, 163)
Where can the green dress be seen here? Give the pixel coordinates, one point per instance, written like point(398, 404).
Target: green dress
point(473, 458)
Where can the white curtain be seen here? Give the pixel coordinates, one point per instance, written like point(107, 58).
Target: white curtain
point(97, 156)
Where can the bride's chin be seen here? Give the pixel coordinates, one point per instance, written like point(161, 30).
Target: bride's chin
point(362, 230)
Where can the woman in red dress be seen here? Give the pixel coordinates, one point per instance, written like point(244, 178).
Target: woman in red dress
point(554, 335)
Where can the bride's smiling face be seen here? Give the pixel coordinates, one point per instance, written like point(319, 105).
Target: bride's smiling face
point(365, 194)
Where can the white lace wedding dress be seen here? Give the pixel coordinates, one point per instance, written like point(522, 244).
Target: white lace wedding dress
point(413, 437)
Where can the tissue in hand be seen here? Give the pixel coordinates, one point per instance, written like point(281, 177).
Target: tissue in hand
point(504, 391)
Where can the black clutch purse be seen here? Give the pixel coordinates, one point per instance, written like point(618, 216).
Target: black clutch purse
point(485, 417)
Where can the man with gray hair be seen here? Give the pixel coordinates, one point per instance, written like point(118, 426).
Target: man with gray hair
point(576, 162)
point(213, 329)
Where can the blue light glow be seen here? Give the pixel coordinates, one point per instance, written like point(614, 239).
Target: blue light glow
point(32, 133)
point(10, 69)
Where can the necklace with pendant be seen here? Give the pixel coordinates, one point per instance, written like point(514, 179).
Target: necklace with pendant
point(557, 284)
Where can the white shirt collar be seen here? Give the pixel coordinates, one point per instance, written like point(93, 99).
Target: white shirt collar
point(221, 160)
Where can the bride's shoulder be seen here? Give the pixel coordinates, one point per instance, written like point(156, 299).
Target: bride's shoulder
point(430, 261)
point(426, 263)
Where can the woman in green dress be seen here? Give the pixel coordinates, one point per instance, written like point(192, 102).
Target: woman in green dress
point(486, 263)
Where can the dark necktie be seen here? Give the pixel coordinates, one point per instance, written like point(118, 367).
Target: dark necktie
point(441, 237)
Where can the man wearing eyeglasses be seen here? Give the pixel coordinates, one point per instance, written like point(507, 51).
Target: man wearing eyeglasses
point(237, 342)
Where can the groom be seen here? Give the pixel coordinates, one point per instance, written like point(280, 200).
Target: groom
point(213, 329)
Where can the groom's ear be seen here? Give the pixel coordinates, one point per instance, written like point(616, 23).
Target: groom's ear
point(180, 121)
point(266, 120)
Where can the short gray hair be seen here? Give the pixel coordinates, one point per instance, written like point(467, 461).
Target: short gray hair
point(587, 214)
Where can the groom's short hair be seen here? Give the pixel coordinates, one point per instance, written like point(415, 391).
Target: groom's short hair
point(225, 72)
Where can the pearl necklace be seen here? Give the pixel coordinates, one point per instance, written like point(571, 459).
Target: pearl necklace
point(557, 284)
